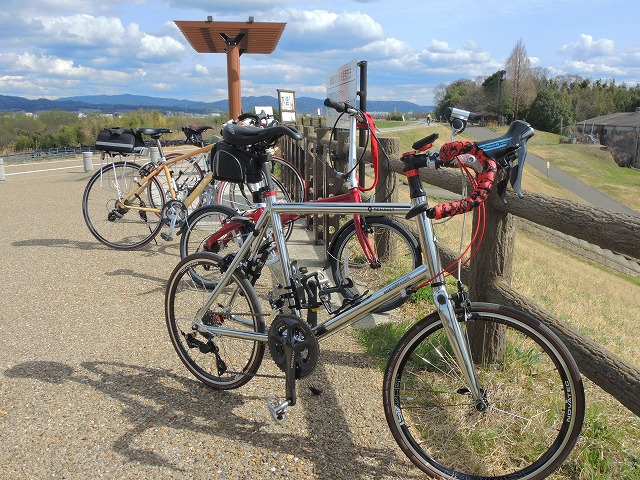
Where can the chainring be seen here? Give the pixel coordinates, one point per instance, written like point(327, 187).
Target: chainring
point(291, 332)
point(174, 209)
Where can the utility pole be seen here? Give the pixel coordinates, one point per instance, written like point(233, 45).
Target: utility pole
point(501, 78)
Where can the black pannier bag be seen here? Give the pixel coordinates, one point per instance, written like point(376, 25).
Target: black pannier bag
point(234, 164)
point(120, 140)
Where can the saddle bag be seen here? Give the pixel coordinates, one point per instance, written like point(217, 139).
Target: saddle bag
point(230, 163)
point(120, 140)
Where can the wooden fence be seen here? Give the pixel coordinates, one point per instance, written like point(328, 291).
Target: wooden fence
point(488, 275)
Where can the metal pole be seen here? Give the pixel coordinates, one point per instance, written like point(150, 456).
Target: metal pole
point(503, 74)
point(362, 93)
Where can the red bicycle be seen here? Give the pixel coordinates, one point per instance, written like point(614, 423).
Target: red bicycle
point(366, 251)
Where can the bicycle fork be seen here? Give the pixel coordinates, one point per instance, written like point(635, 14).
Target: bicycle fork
point(446, 311)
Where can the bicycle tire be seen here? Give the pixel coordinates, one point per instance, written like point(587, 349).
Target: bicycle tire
point(230, 195)
point(121, 228)
point(534, 390)
point(220, 362)
point(204, 222)
point(347, 258)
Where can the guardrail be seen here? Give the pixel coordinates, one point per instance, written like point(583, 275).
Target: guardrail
point(68, 152)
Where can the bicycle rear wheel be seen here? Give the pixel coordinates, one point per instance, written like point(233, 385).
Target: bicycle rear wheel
point(397, 250)
point(116, 225)
point(533, 388)
point(218, 361)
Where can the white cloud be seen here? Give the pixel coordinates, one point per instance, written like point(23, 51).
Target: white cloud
point(586, 48)
point(439, 56)
point(201, 69)
point(594, 68)
point(321, 30)
point(159, 48)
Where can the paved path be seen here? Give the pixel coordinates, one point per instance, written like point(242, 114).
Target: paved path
point(571, 183)
point(90, 386)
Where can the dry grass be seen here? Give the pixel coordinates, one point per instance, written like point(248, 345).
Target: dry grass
point(599, 303)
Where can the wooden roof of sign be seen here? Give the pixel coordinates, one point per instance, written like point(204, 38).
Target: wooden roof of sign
point(214, 37)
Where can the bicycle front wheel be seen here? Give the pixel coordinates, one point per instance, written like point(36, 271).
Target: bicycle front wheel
point(124, 225)
point(218, 361)
point(397, 251)
point(531, 384)
point(205, 222)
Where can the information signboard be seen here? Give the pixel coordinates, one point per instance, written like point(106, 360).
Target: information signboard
point(287, 103)
point(342, 86)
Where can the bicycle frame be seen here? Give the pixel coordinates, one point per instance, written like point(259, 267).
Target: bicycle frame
point(430, 270)
point(164, 168)
point(352, 196)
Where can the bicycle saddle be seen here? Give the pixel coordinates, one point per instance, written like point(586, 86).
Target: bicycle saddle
point(153, 132)
point(196, 129)
point(249, 135)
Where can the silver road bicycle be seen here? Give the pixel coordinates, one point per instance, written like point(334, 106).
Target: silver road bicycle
point(471, 391)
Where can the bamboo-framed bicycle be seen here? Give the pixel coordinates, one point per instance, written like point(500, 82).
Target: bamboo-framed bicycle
point(125, 204)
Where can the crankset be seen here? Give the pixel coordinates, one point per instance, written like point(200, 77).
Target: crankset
point(174, 214)
point(295, 350)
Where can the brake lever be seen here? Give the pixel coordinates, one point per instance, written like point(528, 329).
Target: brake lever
point(515, 175)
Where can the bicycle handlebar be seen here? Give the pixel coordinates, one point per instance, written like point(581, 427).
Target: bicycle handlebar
point(340, 107)
point(483, 158)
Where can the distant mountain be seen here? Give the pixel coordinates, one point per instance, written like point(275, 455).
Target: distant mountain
point(119, 103)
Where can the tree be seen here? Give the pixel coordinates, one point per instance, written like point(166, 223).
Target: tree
point(549, 112)
point(521, 81)
point(455, 94)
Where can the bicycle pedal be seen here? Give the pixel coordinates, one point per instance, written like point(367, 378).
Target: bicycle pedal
point(166, 236)
point(278, 410)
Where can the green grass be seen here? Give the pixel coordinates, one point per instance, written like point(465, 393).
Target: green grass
point(607, 448)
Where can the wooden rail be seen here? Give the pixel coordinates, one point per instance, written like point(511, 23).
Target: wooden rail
point(489, 274)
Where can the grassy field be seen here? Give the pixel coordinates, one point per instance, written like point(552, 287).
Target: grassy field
point(600, 303)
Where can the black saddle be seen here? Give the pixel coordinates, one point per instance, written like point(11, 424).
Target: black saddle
point(244, 135)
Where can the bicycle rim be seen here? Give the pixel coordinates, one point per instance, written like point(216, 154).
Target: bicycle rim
point(533, 388)
point(217, 361)
point(116, 225)
point(396, 250)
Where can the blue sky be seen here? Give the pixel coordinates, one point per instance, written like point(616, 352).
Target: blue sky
point(61, 48)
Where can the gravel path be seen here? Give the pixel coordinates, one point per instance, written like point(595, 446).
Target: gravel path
point(91, 387)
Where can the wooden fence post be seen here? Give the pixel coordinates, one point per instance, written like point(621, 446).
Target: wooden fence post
point(386, 192)
point(492, 261)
